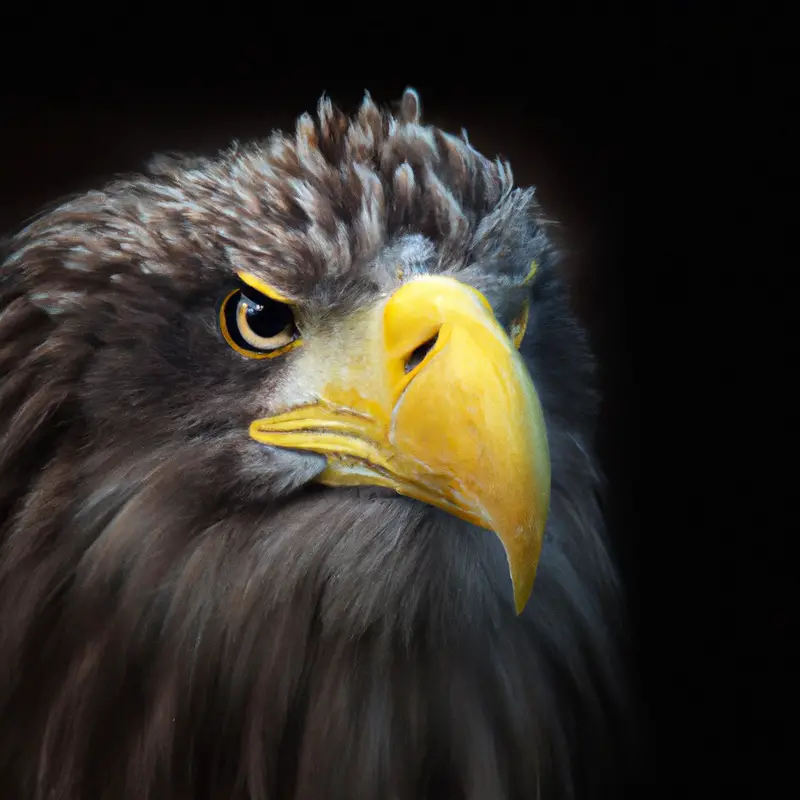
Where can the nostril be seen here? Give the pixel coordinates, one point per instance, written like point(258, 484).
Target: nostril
point(418, 354)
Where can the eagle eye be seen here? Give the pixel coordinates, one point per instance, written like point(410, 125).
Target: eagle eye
point(257, 326)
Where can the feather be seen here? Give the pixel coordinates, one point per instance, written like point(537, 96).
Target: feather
point(183, 614)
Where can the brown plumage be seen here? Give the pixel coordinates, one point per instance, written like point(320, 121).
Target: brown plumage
point(183, 613)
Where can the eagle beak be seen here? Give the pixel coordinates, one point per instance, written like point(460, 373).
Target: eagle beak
point(426, 394)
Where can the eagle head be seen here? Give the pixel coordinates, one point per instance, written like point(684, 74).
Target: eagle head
point(296, 488)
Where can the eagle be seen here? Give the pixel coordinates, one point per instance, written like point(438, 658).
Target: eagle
point(298, 497)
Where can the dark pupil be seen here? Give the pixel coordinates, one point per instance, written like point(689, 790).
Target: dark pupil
point(267, 317)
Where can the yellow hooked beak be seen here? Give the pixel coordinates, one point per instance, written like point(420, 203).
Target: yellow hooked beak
point(426, 394)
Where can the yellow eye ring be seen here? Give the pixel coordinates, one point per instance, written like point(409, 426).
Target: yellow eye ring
point(532, 270)
point(240, 317)
point(519, 325)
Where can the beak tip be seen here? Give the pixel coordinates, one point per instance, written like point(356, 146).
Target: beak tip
point(523, 579)
point(521, 597)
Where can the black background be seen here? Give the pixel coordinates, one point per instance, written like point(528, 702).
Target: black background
point(637, 144)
